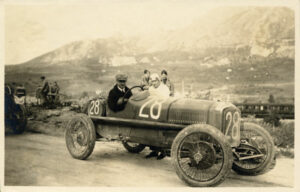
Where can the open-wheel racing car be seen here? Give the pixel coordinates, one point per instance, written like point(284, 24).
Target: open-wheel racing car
point(205, 139)
point(15, 108)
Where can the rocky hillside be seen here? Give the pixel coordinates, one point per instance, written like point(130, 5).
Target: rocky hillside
point(90, 51)
point(270, 29)
point(232, 45)
point(266, 30)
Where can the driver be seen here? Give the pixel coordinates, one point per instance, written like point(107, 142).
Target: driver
point(117, 98)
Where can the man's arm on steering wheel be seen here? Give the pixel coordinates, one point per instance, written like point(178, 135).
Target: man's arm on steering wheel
point(128, 94)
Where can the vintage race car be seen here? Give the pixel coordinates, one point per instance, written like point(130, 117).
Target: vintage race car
point(205, 139)
point(15, 108)
point(20, 95)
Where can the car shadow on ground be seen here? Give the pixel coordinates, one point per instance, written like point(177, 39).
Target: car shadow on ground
point(116, 154)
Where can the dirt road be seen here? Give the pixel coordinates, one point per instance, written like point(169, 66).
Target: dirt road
point(38, 159)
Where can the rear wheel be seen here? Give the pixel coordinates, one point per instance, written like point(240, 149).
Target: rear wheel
point(133, 147)
point(255, 142)
point(201, 155)
point(80, 136)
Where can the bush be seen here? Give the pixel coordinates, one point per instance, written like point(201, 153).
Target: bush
point(283, 135)
point(83, 95)
point(287, 152)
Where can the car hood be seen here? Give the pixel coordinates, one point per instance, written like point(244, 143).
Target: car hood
point(191, 111)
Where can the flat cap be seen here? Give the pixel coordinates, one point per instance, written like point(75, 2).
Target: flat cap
point(164, 72)
point(121, 77)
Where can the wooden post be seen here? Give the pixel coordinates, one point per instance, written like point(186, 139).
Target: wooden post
point(182, 87)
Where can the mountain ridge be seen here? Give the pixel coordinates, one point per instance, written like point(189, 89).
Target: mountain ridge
point(263, 29)
point(249, 46)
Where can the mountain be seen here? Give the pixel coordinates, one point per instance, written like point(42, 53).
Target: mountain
point(266, 30)
point(88, 51)
point(266, 27)
point(227, 46)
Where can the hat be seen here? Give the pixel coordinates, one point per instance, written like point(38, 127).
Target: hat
point(121, 77)
point(154, 76)
point(164, 72)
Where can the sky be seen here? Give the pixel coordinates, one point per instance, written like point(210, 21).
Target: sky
point(33, 29)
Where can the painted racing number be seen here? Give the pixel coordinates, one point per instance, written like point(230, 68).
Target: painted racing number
point(154, 104)
point(95, 107)
point(234, 122)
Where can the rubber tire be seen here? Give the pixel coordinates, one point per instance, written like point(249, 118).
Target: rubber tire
point(217, 135)
point(270, 160)
point(19, 125)
point(91, 137)
point(131, 149)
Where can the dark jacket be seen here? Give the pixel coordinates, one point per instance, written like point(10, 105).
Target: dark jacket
point(113, 97)
point(45, 88)
point(170, 85)
point(145, 83)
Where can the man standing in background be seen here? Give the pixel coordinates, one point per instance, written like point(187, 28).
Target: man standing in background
point(44, 91)
point(146, 80)
point(166, 81)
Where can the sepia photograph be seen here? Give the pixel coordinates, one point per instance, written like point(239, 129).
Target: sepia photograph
point(149, 94)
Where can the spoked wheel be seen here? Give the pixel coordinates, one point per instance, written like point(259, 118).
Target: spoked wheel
point(80, 137)
point(133, 147)
point(255, 155)
point(201, 155)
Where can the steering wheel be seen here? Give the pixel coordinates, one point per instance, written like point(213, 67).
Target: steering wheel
point(136, 86)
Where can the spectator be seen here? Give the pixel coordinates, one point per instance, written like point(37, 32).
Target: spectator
point(166, 81)
point(44, 91)
point(146, 79)
point(271, 99)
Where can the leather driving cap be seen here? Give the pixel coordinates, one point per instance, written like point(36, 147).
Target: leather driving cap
point(121, 77)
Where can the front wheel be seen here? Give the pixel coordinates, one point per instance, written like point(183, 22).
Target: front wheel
point(80, 136)
point(201, 155)
point(133, 147)
point(256, 153)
